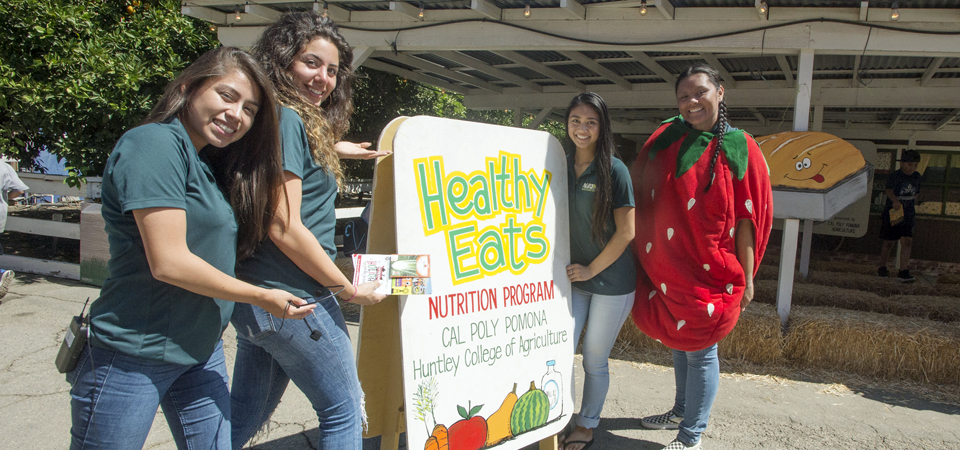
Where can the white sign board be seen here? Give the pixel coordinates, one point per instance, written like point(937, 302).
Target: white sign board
point(488, 355)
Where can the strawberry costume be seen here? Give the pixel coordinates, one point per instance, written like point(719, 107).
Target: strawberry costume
point(688, 295)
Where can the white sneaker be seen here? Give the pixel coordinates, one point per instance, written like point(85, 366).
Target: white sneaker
point(665, 421)
point(677, 445)
point(5, 281)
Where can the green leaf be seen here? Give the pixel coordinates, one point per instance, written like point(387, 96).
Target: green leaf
point(475, 410)
point(462, 412)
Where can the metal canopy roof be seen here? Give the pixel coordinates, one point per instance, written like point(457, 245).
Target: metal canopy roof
point(873, 77)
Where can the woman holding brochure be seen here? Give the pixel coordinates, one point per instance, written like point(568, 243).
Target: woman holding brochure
point(309, 62)
point(174, 239)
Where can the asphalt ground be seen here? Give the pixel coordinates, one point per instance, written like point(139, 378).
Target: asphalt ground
point(751, 410)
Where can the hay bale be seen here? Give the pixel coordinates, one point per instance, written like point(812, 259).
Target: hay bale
point(756, 338)
point(884, 287)
point(768, 271)
point(876, 345)
point(948, 278)
point(345, 264)
point(846, 267)
point(631, 336)
point(939, 308)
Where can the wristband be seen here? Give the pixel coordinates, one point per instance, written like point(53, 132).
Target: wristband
point(352, 296)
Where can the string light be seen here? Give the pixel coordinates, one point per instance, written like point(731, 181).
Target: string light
point(236, 14)
point(421, 10)
point(326, 9)
point(895, 11)
point(213, 28)
point(762, 8)
point(643, 7)
point(526, 11)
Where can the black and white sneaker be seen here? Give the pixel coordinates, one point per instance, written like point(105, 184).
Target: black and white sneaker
point(5, 281)
point(904, 277)
point(883, 272)
point(677, 445)
point(665, 421)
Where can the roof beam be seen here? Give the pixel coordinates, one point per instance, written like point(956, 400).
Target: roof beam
point(665, 8)
point(714, 62)
point(896, 119)
point(949, 117)
point(335, 12)
point(486, 9)
point(540, 118)
point(207, 14)
point(931, 70)
point(481, 66)
point(756, 113)
point(262, 12)
point(856, 72)
point(881, 94)
point(425, 79)
point(405, 9)
point(785, 69)
point(360, 54)
point(654, 66)
point(575, 9)
point(539, 67)
point(428, 66)
point(864, 7)
point(589, 63)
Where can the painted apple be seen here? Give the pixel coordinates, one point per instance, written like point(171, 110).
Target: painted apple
point(469, 433)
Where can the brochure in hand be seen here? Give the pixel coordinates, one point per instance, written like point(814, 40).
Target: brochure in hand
point(397, 274)
point(896, 216)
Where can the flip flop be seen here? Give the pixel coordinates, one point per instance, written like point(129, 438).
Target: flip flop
point(586, 444)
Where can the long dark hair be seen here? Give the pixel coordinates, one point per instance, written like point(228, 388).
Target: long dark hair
point(276, 49)
point(602, 159)
point(714, 78)
point(250, 169)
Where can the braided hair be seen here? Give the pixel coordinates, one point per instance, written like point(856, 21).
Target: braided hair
point(603, 164)
point(721, 125)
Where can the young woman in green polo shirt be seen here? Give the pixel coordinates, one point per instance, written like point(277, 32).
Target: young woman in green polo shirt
point(309, 61)
point(155, 330)
point(601, 266)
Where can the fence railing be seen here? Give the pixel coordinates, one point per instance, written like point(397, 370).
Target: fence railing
point(54, 185)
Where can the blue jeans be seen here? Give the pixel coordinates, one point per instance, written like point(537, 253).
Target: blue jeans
point(115, 396)
point(605, 315)
point(698, 376)
point(269, 356)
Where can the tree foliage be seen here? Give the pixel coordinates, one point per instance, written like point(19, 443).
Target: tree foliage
point(380, 97)
point(76, 74)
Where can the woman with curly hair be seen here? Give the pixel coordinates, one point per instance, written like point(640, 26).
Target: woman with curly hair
point(309, 62)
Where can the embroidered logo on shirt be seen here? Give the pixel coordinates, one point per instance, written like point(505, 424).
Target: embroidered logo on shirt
point(589, 187)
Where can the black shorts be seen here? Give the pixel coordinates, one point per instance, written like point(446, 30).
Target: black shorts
point(895, 232)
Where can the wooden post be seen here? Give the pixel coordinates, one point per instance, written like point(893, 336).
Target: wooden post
point(549, 443)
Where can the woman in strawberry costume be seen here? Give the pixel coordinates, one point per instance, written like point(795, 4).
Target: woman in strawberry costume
point(703, 212)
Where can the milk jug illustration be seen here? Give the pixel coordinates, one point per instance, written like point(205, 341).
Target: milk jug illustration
point(551, 383)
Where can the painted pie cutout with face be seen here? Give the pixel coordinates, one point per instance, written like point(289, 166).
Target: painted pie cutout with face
point(809, 159)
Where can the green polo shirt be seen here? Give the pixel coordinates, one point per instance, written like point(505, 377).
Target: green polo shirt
point(156, 166)
point(620, 277)
point(269, 267)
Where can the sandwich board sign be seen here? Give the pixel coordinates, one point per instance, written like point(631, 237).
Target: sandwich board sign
point(487, 352)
